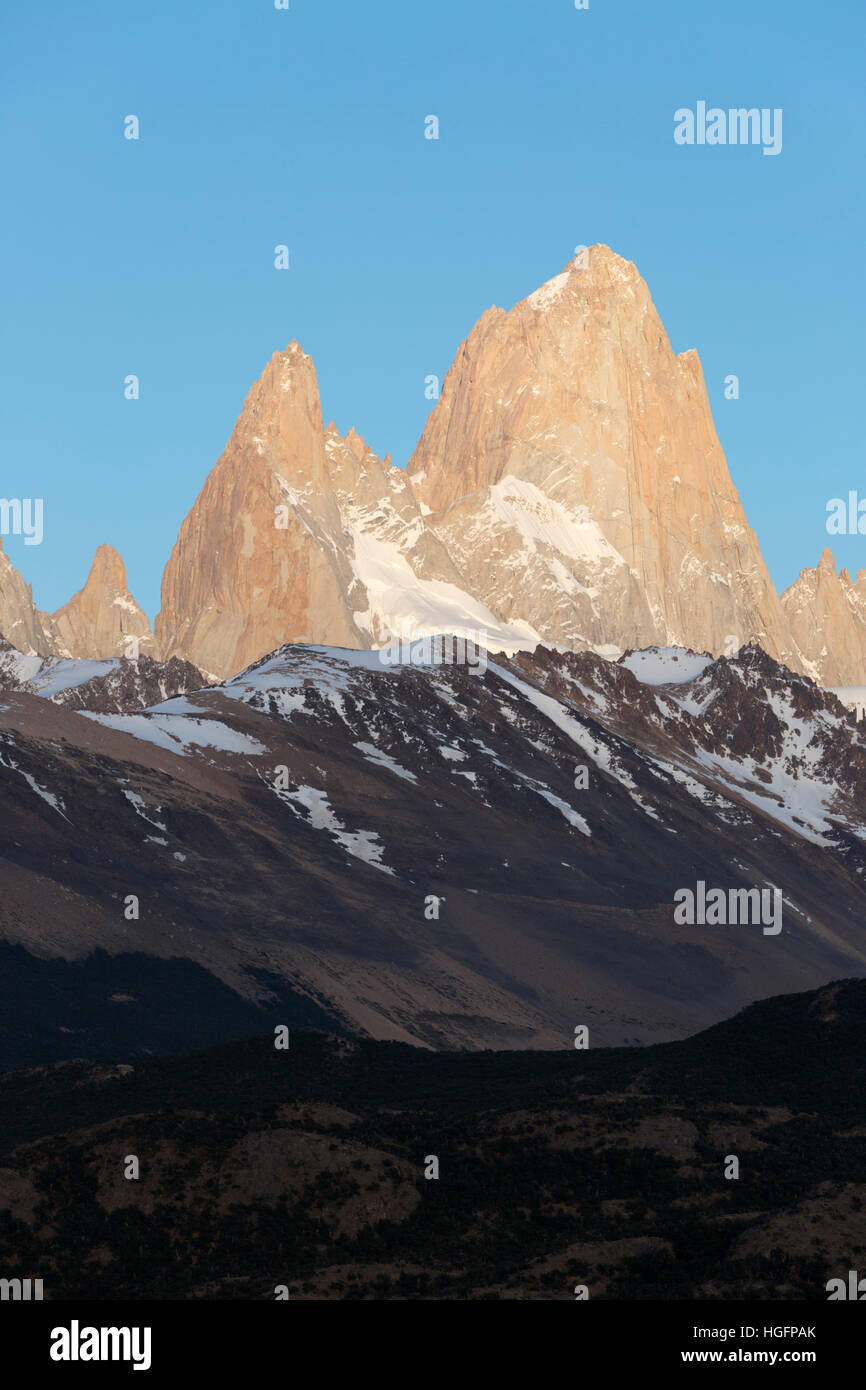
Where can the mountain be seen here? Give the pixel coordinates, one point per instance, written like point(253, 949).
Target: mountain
point(568, 488)
point(21, 622)
point(305, 1168)
point(242, 574)
point(826, 616)
point(450, 855)
point(100, 621)
point(572, 470)
point(103, 619)
point(300, 535)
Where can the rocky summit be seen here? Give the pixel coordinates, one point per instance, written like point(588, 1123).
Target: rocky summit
point(569, 488)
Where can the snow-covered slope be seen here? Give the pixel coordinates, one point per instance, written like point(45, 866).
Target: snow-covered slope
point(449, 857)
point(111, 685)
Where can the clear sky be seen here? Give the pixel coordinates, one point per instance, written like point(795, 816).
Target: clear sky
point(306, 127)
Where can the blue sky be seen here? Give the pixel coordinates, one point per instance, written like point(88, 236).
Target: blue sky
point(306, 127)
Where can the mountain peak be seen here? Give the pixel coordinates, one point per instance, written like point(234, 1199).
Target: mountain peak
point(259, 558)
point(102, 619)
point(291, 353)
point(592, 268)
point(827, 562)
point(569, 486)
point(571, 467)
point(107, 568)
point(826, 615)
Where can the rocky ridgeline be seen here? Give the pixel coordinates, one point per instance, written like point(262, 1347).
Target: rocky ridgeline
point(568, 488)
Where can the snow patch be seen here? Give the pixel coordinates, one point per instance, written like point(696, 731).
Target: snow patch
point(402, 605)
point(53, 801)
point(56, 676)
point(550, 292)
point(178, 734)
point(362, 844)
point(665, 665)
point(375, 755)
point(139, 805)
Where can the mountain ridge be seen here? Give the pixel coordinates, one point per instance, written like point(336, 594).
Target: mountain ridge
point(436, 854)
point(568, 488)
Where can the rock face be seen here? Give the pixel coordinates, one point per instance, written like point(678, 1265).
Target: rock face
point(102, 619)
point(260, 554)
point(568, 488)
point(20, 620)
point(826, 617)
point(302, 535)
point(572, 470)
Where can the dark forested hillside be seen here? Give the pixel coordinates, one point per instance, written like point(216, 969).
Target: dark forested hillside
point(306, 1167)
